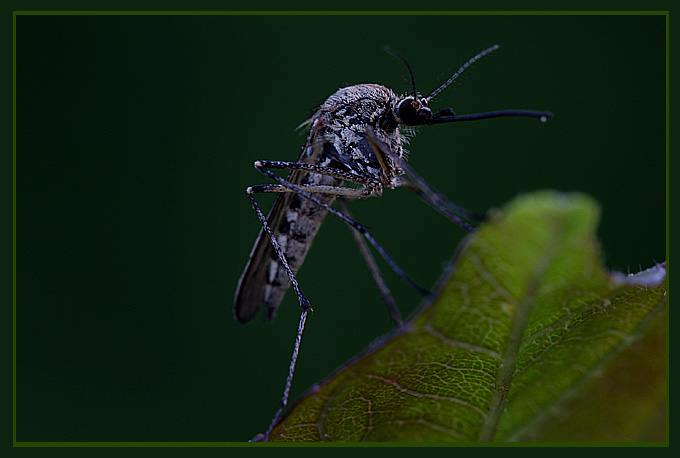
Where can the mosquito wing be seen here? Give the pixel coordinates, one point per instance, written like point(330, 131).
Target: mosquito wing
point(264, 281)
point(294, 220)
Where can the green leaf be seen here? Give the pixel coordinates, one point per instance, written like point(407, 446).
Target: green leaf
point(626, 402)
point(526, 318)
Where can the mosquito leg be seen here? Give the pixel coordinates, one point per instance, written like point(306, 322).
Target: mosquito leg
point(291, 372)
point(437, 200)
point(259, 165)
point(420, 186)
point(453, 208)
point(317, 189)
point(373, 267)
point(314, 168)
point(307, 192)
point(304, 303)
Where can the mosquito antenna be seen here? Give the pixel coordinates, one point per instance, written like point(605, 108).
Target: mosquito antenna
point(403, 59)
point(461, 69)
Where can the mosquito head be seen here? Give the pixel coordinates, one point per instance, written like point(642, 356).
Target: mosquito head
point(412, 111)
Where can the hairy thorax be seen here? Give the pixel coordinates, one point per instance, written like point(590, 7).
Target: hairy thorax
point(344, 117)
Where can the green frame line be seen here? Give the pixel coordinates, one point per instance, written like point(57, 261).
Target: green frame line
point(304, 13)
point(348, 13)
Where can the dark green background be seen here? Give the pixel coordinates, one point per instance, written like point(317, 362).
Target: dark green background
point(135, 142)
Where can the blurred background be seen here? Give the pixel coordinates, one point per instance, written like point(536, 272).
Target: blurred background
point(136, 137)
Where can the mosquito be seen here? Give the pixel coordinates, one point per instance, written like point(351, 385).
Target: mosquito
point(357, 137)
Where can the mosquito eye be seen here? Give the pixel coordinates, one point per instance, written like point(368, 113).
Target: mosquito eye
point(412, 113)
